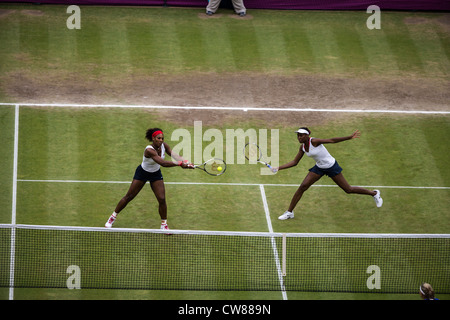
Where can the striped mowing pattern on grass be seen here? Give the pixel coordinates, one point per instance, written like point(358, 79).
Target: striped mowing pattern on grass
point(156, 40)
point(117, 44)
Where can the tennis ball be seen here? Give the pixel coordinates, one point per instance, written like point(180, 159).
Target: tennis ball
point(219, 168)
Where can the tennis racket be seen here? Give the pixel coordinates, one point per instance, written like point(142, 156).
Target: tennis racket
point(252, 152)
point(214, 166)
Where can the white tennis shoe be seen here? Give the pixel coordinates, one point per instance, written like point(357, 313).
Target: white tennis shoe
point(164, 226)
point(378, 199)
point(110, 221)
point(286, 215)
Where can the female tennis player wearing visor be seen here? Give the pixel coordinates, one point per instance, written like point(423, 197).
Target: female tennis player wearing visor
point(149, 170)
point(325, 165)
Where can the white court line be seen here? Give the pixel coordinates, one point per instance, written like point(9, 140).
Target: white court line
point(15, 165)
point(280, 109)
point(231, 184)
point(274, 244)
point(14, 204)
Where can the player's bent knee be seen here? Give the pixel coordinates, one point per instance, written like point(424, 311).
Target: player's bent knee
point(348, 190)
point(161, 200)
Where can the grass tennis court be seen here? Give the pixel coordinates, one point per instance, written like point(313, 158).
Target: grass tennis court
point(217, 207)
point(147, 53)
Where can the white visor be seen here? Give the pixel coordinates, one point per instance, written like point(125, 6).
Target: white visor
point(302, 131)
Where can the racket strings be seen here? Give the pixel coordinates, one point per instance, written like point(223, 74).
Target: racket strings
point(213, 165)
point(252, 152)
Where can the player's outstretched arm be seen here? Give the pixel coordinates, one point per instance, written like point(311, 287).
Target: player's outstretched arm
point(151, 153)
point(292, 163)
point(315, 142)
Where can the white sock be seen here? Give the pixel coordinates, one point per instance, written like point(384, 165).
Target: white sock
point(163, 221)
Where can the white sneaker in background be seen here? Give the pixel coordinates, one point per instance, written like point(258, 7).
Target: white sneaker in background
point(286, 215)
point(378, 199)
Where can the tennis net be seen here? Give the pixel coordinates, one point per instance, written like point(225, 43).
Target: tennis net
point(99, 258)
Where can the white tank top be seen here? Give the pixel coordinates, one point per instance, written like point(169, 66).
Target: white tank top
point(320, 154)
point(148, 164)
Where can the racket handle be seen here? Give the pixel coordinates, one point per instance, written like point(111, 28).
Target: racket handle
point(268, 165)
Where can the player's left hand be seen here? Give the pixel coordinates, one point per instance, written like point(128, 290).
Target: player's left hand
point(356, 134)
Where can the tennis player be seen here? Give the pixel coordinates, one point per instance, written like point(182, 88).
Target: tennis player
point(325, 165)
point(149, 170)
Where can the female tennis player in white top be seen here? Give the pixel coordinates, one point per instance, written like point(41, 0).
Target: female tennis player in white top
point(325, 164)
point(149, 170)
